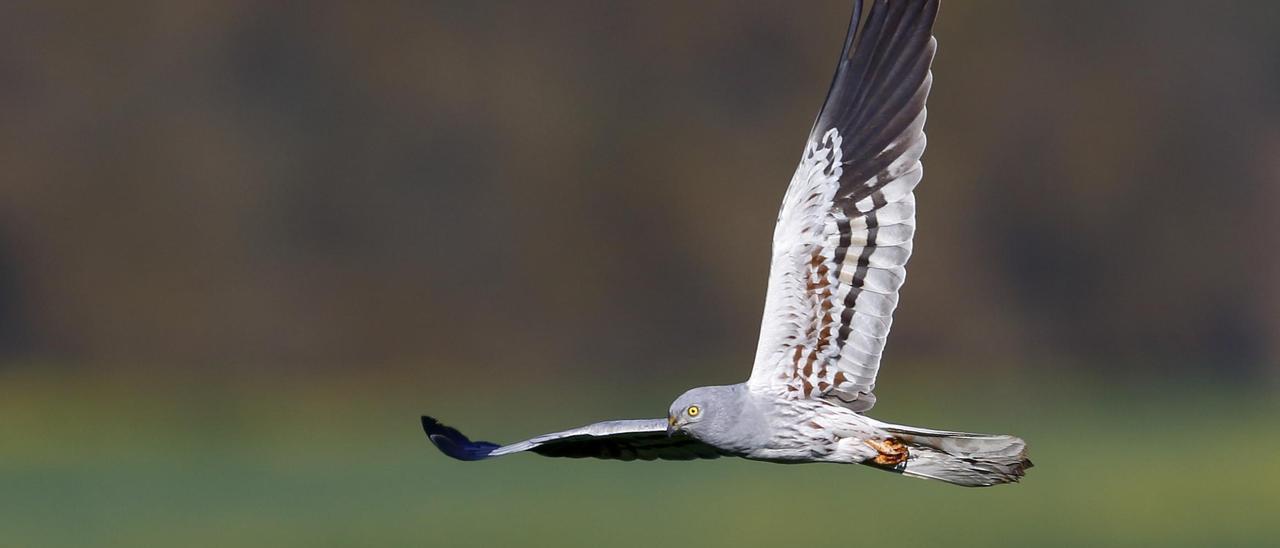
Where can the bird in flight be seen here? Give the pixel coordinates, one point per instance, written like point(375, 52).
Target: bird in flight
point(840, 246)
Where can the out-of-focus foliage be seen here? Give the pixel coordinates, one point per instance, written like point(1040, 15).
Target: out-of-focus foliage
point(592, 185)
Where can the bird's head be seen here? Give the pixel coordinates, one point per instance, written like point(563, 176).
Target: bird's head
point(698, 407)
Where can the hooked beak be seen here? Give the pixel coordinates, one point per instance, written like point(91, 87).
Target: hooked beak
point(671, 425)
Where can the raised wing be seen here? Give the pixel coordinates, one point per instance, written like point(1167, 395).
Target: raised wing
point(644, 439)
point(844, 231)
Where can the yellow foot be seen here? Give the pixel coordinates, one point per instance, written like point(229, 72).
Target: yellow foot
point(892, 452)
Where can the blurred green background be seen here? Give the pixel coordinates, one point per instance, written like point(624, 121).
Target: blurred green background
point(243, 245)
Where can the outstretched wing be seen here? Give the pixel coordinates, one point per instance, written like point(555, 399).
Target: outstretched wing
point(844, 231)
point(644, 439)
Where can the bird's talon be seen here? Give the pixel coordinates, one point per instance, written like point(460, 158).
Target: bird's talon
point(891, 451)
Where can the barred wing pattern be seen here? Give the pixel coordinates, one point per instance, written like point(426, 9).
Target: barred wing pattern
point(643, 439)
point(844, 230)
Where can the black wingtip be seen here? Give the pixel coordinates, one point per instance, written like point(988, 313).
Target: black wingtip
point(884, 52)
point(452, 443)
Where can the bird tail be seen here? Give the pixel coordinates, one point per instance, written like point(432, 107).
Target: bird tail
point(960, 458)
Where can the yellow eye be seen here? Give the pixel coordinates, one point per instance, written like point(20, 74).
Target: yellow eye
point(693, 411)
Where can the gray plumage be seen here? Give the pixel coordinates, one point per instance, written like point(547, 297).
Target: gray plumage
point(740, 422)
point(840, 249)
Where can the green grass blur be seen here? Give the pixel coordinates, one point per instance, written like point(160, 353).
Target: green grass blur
point(336, 462)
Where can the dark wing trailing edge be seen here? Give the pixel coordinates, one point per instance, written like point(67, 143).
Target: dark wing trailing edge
point(643, 439)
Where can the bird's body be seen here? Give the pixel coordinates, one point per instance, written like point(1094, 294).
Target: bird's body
point(741, 422)
point(840, 246)
point(814, 431)
point(756, 426)
point(818, 432)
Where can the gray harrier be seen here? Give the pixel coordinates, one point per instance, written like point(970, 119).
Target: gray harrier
point(839, 250)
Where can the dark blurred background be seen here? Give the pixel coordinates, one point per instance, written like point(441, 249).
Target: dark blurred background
point(236, 203)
